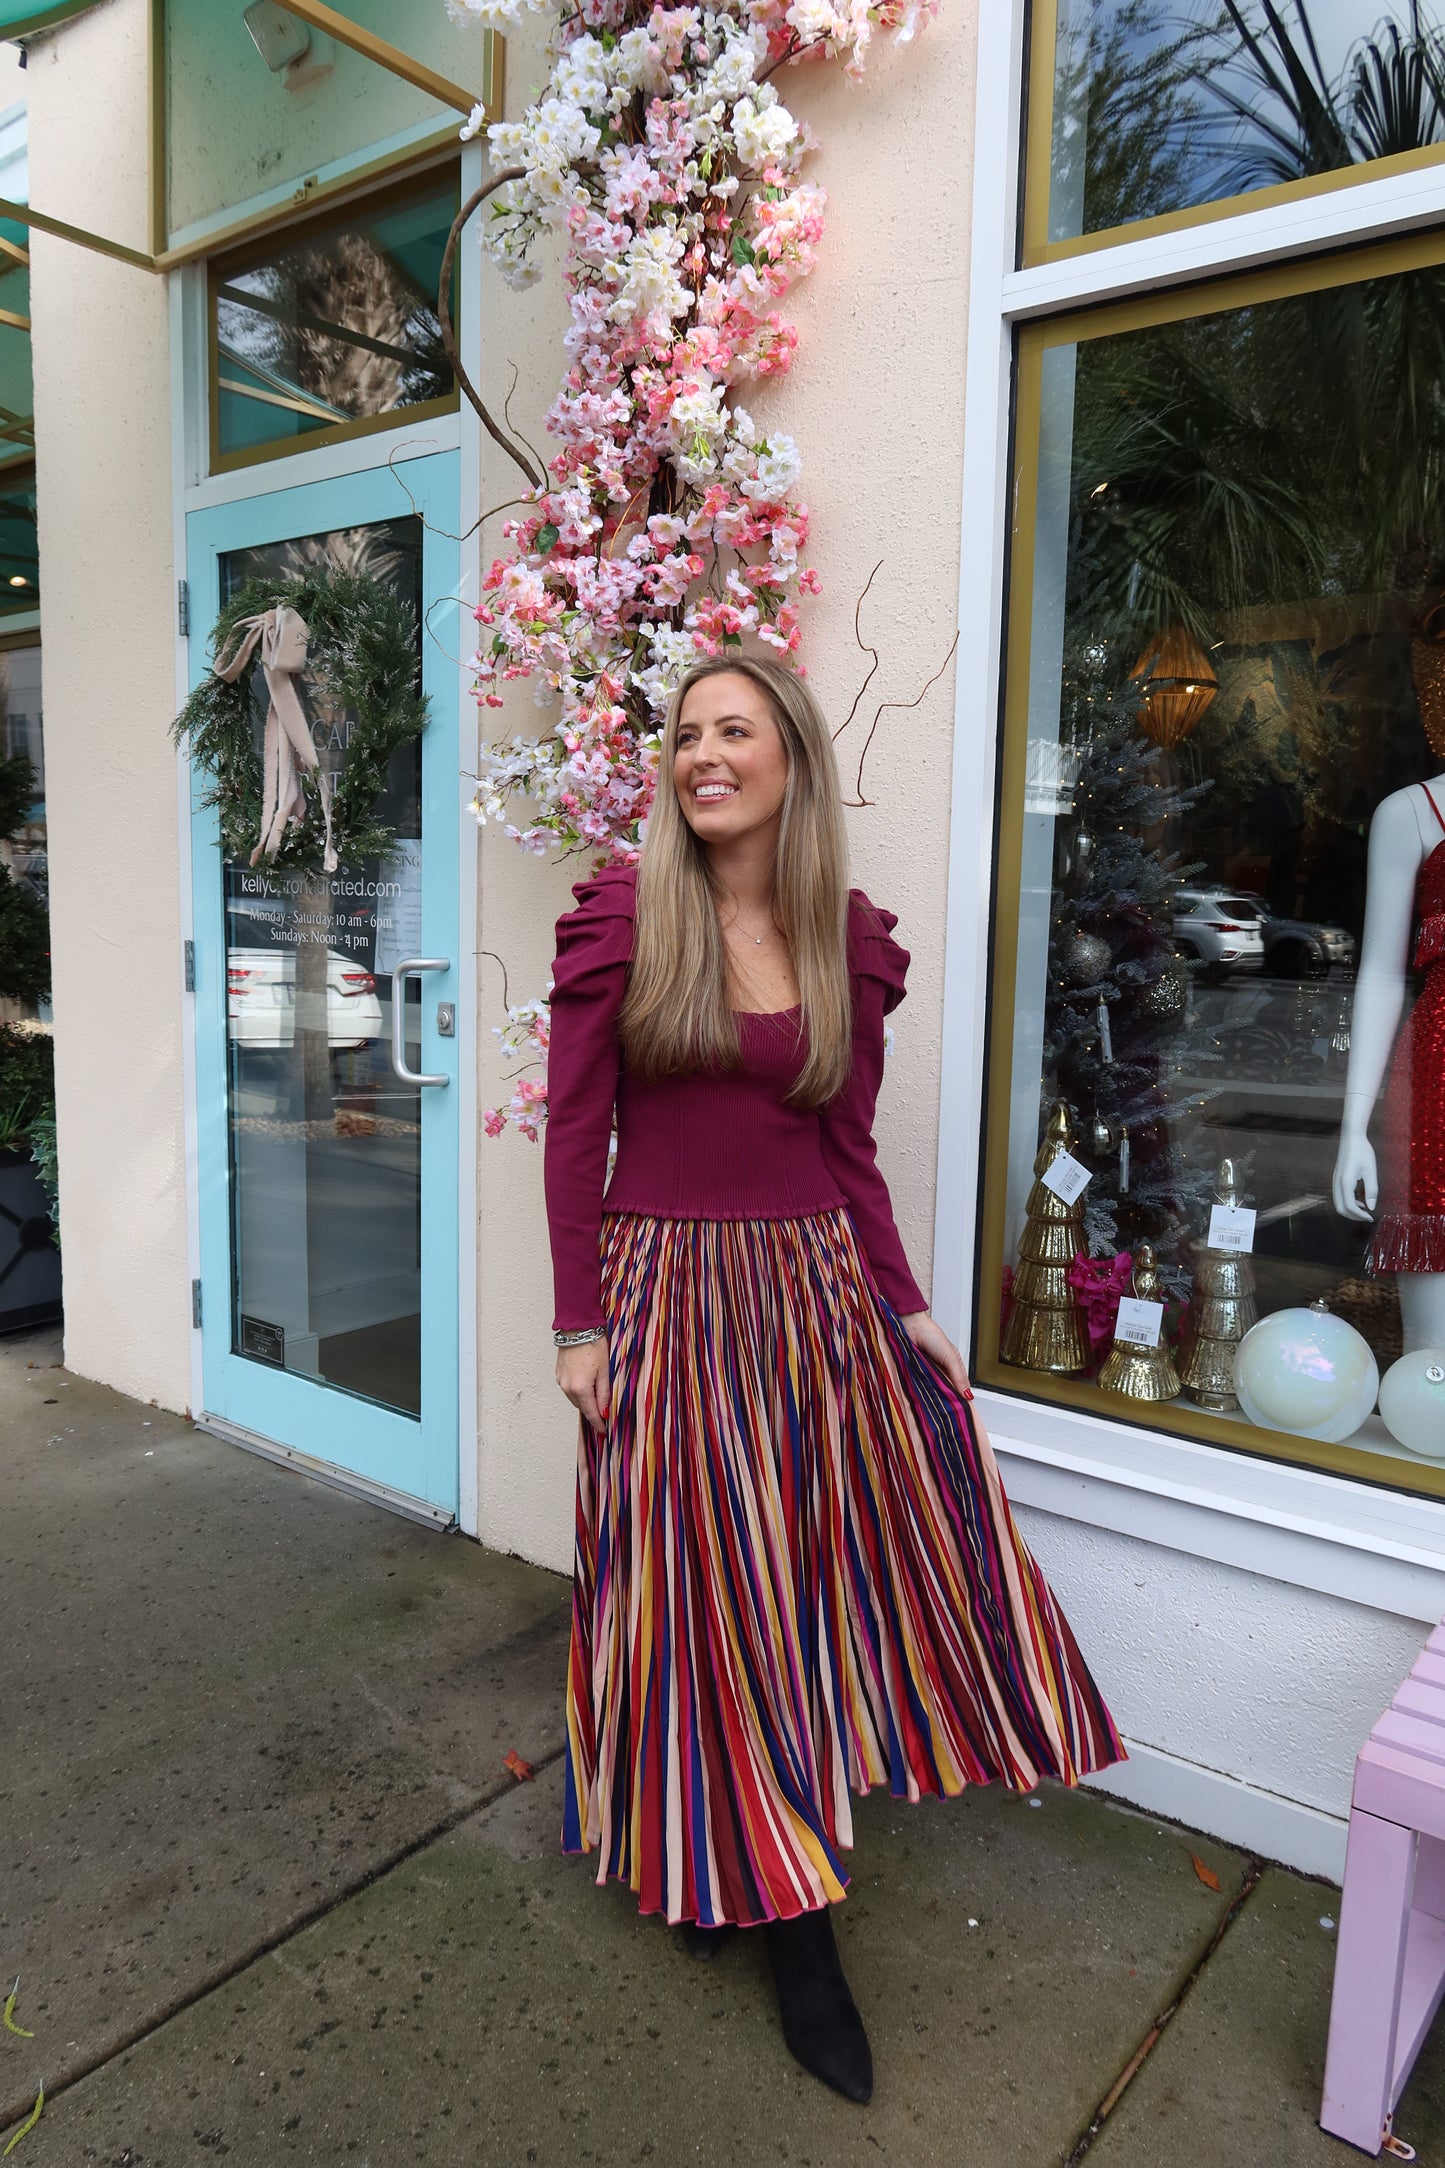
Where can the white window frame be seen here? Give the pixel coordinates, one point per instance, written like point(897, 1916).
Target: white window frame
point(1365, 1542)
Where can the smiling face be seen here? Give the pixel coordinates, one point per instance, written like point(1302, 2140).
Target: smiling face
point(730, 765)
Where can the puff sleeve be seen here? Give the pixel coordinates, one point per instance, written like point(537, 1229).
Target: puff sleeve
point(878, 968)
point(594, 949)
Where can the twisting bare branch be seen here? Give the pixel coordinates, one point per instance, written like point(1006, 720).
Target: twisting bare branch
point(883, 705)
point(496, 959)
point(507, 417)
point(858, 636)
point(444, 314)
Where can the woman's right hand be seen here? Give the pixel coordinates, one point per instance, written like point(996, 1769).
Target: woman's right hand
point(582, 1373)
point(1356, 1171)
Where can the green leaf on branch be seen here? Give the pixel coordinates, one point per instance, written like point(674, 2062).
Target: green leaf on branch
point(743, 250)
point(546, 539)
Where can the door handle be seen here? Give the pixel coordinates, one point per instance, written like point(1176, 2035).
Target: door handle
point(399, 977)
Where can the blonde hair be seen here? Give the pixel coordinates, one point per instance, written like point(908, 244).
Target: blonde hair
point(677, 1015)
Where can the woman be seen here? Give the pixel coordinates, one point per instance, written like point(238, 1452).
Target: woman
point(797, 1573)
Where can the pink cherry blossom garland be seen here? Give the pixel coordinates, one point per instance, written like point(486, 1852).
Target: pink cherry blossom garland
point(669, 524)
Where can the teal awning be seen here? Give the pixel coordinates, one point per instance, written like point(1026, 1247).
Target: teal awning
point(22, 18)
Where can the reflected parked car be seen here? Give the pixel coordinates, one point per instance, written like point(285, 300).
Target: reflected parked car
point(1302, 948)
point(261, 999)
point(1220, 929)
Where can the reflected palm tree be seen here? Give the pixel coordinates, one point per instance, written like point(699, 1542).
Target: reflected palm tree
point(1292, 120)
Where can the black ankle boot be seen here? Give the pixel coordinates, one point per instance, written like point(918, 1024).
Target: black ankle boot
point(820, 2018)
point(705, 1942)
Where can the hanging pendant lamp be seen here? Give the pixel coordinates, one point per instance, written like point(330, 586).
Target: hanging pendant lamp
point(1178, 684)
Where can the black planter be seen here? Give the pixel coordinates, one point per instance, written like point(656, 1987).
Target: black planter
point(29, 1260)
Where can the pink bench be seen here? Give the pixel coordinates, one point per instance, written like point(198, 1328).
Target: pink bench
point(1390, 1959)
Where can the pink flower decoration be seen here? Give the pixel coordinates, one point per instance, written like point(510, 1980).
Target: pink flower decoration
point(1101, 1284)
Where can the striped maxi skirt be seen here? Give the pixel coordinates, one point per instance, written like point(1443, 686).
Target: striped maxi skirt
point(797, 1577)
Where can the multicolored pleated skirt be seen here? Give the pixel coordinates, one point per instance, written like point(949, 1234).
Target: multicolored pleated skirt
point(797, 1577)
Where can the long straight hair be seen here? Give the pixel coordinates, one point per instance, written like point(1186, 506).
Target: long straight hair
point(677, 1015)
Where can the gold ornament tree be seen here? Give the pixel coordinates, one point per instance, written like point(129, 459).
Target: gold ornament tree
point(1046, 1327)
point(1221, 1310)
point(1141, 1373)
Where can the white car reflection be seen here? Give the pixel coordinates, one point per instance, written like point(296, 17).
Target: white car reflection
point(1220, 929)
point(261, 999)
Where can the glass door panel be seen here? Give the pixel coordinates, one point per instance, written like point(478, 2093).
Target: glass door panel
point(325, 1139)
point(325, 1174)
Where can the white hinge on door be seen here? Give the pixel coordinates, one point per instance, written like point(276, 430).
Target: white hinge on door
point(196, 1304)
point(183, 608)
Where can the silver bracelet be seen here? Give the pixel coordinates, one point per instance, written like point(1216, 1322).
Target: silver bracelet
point(579, 1339)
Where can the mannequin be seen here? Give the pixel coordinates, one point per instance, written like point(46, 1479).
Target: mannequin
point(1406, 892)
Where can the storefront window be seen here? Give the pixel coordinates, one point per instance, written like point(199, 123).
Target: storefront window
point(331, 330)
point(1146, 108)
point(1219, 1076)
point(21, 734)
point(19, 552)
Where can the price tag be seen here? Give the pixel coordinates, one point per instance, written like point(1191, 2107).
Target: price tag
point(1139, 1323)
point(1231, 1227)
point(1068, 1178)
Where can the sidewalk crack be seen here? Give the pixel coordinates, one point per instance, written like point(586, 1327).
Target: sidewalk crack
point(270, 1945)
point(1253, 1871)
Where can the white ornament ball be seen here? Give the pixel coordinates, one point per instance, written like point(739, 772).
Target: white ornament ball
point(1308, 1373)
point(1412, 1402)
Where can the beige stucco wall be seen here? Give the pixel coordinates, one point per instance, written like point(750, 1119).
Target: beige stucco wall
point(102, 406)
point(875, 401)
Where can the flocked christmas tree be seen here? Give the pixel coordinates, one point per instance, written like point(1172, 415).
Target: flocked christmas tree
point(1118, 993)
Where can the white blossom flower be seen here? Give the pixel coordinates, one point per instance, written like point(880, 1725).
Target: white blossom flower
point(698, 425)
point(763, 130)
point(814, 20)
point(649, 288)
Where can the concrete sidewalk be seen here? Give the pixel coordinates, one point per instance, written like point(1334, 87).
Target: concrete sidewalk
point(272, 1894)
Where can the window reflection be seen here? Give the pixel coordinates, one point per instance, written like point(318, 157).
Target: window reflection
point(337, 327)
point(1159, 106)
point(19, 550)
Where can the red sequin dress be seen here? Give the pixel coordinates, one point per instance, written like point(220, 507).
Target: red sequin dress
point(1409, 1234)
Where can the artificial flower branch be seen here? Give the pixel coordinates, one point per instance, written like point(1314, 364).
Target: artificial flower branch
point(668, 523)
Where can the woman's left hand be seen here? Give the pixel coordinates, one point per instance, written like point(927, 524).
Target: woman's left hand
point(931, 1340)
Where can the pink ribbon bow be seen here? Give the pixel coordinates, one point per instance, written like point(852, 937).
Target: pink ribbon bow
point(282, 635)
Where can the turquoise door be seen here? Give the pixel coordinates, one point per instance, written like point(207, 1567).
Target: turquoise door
point(326, 1072)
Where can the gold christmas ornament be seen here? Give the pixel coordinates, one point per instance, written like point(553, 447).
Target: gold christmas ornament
point(1046, 1327)
point(1141, 1373)
point(1179, 684)
point(1221, 1311)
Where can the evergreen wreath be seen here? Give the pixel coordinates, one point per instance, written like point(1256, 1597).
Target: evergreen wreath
point(362, 653)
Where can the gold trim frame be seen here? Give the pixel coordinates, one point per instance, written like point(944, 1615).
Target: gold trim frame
point(1037, 248)
point(1346, 267)
point(220, 268)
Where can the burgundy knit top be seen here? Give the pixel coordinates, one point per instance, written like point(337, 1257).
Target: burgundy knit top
point(707, 1145)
